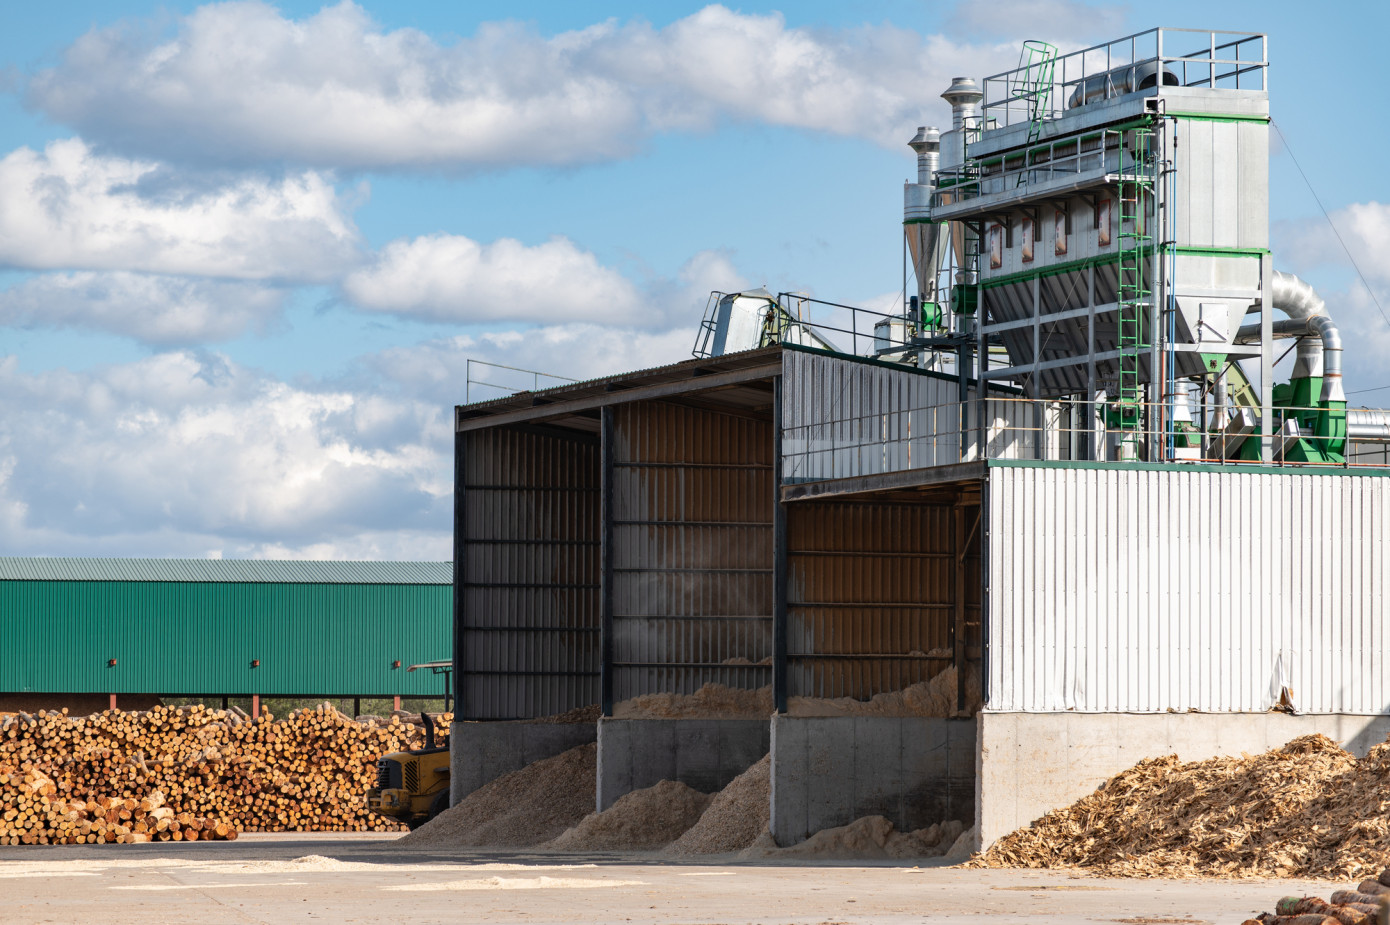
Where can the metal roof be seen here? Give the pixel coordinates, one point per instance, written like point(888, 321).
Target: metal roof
point(740, 381)
point(257, 571)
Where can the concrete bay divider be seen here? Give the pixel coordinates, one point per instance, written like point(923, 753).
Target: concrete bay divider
point(481, 752)
point(829, 771)
point(705, 754)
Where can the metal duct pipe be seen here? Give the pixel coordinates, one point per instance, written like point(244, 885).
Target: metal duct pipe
point(1307, 316)
point(1367, 426)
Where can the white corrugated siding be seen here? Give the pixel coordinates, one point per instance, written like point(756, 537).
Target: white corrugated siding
point(1146, 591)
point(844, 418)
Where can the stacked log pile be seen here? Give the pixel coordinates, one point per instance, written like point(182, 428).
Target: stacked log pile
point(116, 776)
point(1368, 904)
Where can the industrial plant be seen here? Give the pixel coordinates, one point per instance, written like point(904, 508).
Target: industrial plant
point(1061, 483)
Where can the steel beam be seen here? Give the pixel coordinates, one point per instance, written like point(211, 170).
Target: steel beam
point(606, 466)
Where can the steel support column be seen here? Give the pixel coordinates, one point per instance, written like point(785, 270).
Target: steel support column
point(779, 558)
point(606, 448)
point(460, 558)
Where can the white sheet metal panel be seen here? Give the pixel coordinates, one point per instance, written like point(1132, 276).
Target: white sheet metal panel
point(843, 418)
point(1125, 590)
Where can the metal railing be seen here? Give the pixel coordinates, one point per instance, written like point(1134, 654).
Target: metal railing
point(1050, 160)
point(1023, 428)
point(1193, 58)
point(509, 388)
point(868, 332)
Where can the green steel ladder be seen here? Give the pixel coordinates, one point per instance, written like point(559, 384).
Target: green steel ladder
point(1032, 85)
point(1135, 296)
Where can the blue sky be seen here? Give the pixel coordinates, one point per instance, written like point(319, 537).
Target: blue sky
point(246, 250)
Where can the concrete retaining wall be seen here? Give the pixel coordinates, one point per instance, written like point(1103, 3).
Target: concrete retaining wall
point(702, 753)
point(479, 753)
point(829, 771)
point(1032, 763)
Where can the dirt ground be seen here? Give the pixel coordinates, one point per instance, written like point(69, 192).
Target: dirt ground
point(369, 879)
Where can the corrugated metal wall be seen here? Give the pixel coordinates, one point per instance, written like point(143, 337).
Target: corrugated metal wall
point(1126, 590)
point(201, 637)
point(843, 418)
point(871, 595)
point(692, 549)
point(530, 573)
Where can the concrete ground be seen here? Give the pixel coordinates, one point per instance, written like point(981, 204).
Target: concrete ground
point(357, 879)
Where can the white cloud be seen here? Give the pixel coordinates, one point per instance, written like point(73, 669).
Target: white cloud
point(70, 208)
point(240, 83)
point(184, 454)
point(161, 310)
point(453, 278)
point(437, 371)
point(1314, 250)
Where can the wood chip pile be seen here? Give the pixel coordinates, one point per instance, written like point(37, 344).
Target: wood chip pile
point(1306, 810)
point(307, 772)
point(1368, 904)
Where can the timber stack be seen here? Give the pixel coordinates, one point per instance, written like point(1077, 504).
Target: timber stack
point(189, 773)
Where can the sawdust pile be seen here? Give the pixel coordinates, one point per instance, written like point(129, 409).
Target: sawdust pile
point(711, 700)
point(735, 816)
point(1306, 810)
point(642, 820)
point(589, 714)
point(934, 697)
point(518, 810)
point(1367, 904)
point(871, 837)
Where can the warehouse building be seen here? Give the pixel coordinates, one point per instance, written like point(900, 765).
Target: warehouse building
point(1064, 473)
point(93, 633)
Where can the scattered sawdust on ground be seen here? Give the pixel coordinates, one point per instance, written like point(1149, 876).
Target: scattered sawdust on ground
point(642, 820)
point(513, 883)
point(1306, 810)
point(518, 810)
point(734, 818)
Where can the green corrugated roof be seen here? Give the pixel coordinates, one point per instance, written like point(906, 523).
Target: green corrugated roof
point(255, 571)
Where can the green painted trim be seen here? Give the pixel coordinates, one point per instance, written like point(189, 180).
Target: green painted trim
point(1211, 117)
point(1238, 467)
point(898, 367)
point(1191, 251)
point(1055, 269)
point(922, 221)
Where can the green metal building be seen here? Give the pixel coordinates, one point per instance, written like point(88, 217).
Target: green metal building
point(218, 627)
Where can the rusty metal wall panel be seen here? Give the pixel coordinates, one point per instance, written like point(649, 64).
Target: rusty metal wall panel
point(530, 615)
point(1144, 591)
point(871, 595)
point(692, 549)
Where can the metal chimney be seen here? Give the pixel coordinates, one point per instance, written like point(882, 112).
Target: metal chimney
point(927, 144)
point(964, 95)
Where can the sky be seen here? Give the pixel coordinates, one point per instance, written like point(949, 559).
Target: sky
point(248, 250)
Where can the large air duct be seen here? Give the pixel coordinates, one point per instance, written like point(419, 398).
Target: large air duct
point(923, 234)
point(1307, 318)
point(964, 95)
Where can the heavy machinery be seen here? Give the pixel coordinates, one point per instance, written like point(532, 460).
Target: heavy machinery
point(412, 787)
